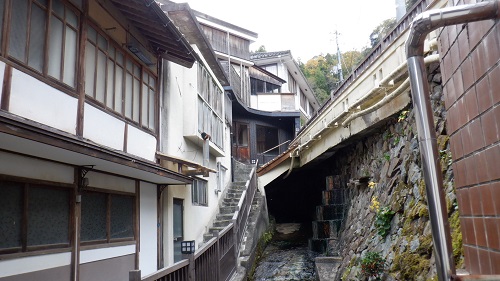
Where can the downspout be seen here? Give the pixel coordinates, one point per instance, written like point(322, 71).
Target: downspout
point(421, 26)
point(295, 151)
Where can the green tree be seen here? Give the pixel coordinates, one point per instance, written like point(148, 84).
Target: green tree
point(410, 3)
point(322, 73)
point(381, 31)
point(261, 49)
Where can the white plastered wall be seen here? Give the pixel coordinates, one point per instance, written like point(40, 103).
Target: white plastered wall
point(179, 108)
point(148, 229)
point(37, 101)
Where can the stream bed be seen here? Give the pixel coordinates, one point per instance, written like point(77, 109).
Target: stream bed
point(287, 256)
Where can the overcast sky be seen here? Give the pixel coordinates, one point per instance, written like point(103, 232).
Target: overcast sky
point(305, 27)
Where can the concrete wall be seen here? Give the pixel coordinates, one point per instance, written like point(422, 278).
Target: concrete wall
point(470, 56)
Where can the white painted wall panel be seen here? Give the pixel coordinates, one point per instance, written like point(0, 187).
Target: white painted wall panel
point(141, 143)
point(103, 128)
point(269, 102)
point(197, 219)
point(148, 229)
point(253, 101)
point(105, 181)
point(33, 168)
point(105, 253)
point(35, 100)
point(31, 264)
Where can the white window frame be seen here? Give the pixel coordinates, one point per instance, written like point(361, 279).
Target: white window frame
point(199, 192)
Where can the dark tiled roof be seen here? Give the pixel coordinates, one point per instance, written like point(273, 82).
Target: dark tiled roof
point(262, 55)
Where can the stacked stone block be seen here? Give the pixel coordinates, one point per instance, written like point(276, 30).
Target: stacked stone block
point(329, 217)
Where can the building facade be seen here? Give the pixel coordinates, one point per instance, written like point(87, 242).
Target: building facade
point(270, 95)
point(196, 132)
point(98, 142)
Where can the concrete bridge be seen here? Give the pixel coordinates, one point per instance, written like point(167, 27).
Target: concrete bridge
point(376, 90)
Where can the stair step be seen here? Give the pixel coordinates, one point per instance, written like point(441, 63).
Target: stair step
point(231, 204)
point(231, 200)
point(235, 191)
point(222, 223)
point(224, 216)
point(216, 228)
point(238, 185)
point(234, 195)
point(207, 236)
point(228, 209)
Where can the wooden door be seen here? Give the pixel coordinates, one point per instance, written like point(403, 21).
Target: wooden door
point(241, 147)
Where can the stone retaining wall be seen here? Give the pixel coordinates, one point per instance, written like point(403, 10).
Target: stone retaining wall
point(384, 170)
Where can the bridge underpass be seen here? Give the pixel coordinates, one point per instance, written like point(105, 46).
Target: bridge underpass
point(292, 205)
point(296, 198)
point(293, 200)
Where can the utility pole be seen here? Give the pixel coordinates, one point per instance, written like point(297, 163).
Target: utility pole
point(339, 58)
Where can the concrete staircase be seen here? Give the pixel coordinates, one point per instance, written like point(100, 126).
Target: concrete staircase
point(229, 204)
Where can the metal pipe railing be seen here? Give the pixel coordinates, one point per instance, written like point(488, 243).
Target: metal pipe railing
point(421, 26)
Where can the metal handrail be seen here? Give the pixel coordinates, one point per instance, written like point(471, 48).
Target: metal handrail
point(275, 147)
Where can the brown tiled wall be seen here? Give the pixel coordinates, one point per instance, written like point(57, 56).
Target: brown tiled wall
point(471, 75)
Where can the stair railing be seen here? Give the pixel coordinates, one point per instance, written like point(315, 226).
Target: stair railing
point(218, 258)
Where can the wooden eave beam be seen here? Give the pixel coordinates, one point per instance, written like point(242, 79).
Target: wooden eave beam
point(197, 168)
point(153, 28)
point(27, 129)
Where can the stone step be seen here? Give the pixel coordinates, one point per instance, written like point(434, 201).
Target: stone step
point(215, 228)
point(224, 216)
point(222, 223)
point(235, 191)
point(238, 185)
point(231, 200)
point(207, 236)
point(228, 209)
point(232, 194)
point(230, 204)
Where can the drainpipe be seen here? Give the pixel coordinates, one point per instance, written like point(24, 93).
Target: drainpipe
point(399, 90)
point(421, 26)
point(293, 155)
